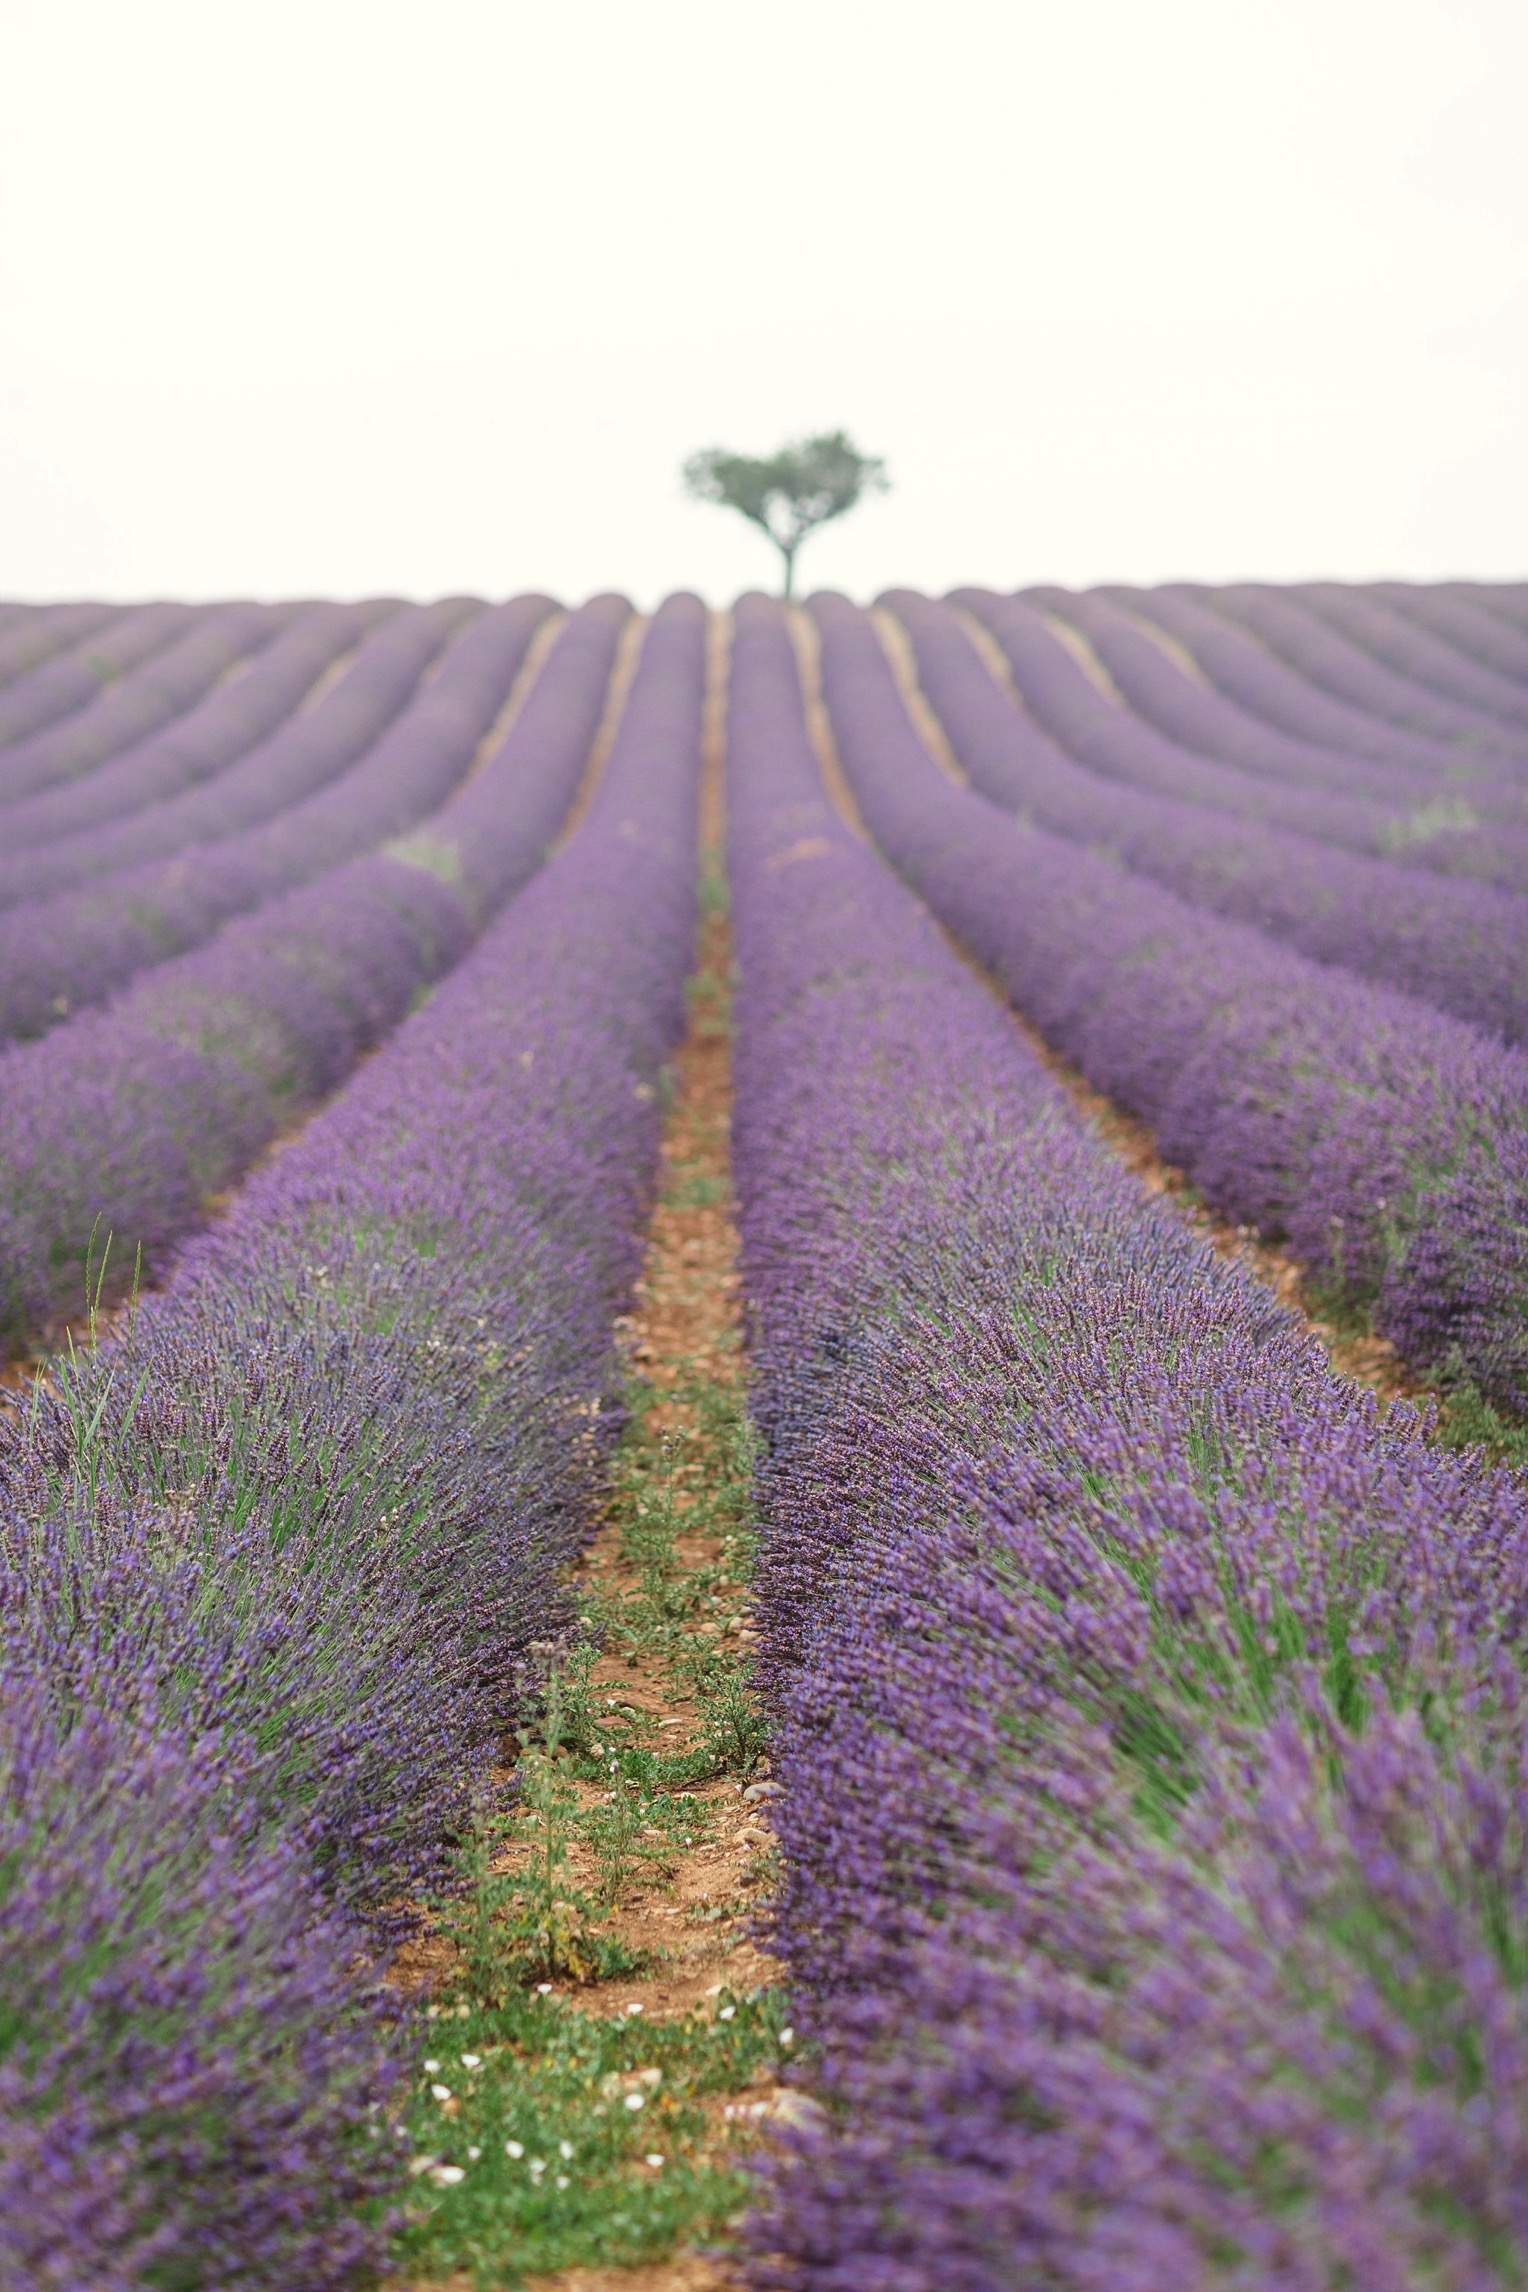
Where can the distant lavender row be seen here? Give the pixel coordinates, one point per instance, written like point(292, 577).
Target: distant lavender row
point(1410, 649)
point(39, 633)
point(59, 954)
point(223, 724)
point(1387, 1142)
point(1059, 692)
point(262, 1638)
point(1188, 711)
point(1463, 947)
point(1261, 682)
point(1503, 600)
point(299, 757)
point(58, 687)
point(1327, 659)
point(126, 1120)
point(1462, 624)
point(1150, 1937)
point(130, 708)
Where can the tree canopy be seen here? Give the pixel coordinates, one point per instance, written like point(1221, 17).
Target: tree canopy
point(790, 493)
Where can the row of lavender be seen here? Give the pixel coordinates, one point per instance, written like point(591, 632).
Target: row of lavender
point(1150, 1712)
point(1462, 946)
point(1217, 689)
point(126, 1119)
point(40, 636)
point(1424, 678)
point(1390, 661)
point(1427, 826)
point(197, 741)
point(275, 1567)
point(91, 679)
point(1387, 1143)
point(195, 824)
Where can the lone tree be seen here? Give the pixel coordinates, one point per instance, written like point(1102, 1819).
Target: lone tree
point(794, 491)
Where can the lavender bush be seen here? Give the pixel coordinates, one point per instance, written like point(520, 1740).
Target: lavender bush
point(1461, 947)
point(134, 705)
point(1148, 1710)
point(306, 1525)
point(188, 2066)
point(1387, 1143)
point(1065, 700)
point(128, 1119)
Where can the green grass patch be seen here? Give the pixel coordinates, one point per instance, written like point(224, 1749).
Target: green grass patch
point(532, 2127)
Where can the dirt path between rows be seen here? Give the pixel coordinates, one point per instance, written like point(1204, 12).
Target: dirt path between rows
point(664, 1585)
point(684, 1328)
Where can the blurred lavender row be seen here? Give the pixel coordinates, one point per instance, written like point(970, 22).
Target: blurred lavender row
point(376, 751)
point(1349, 672)
point(125, 1120)
point(338, 722)
point(129, 708)
point(205, 736)
point(33, 635)
point(1404, 643)
point(58, 688)
point(1185, 707)
point(1461, 946)
point(1449, 838)
point(1265, 687)
point(1149, 1712)
point(280, 1565)
point(1388, 1144)
point(1451, 612)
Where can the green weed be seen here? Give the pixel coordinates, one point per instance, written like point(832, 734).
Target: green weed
point(542, 2136)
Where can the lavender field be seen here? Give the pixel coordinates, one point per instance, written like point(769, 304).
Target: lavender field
point(763, 1442)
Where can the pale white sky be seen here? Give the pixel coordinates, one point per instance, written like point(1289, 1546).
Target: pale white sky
point(326, 296)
